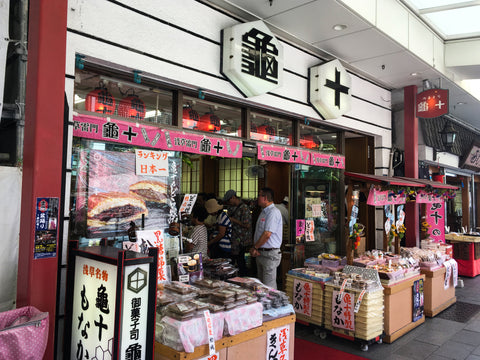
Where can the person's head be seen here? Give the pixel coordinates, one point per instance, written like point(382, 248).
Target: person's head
point(199, 213)
point(285, 201)
point(265, 197)
point(201, 198)
point(230, 197)
point(212, 206)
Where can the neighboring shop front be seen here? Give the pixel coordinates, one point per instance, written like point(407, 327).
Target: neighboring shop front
point(154, 117)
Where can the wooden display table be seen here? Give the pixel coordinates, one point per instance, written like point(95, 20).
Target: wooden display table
point(437, 298)
point(251, 344)
point(399, 309)
point(466, 251)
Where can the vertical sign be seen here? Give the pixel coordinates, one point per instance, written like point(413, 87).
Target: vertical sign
point(302, 297)
point(152, 163)
point(418, 300)
point(342, 310)
point(309, 229)
point(93, 313)
point(154, 238)
point(187, 204)
point(278, 341)
point(46, 219)
point(435, 217)
point(133, 340)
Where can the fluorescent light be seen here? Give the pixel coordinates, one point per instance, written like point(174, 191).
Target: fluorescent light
point(78, 99)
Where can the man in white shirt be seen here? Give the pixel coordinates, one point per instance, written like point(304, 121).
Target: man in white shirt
point(283, 207)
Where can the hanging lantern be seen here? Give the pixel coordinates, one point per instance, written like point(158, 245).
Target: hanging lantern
point(307, 141)
point(448, 135)
point(132, 107)
point(209, 122)
point(100, 101)
point(190, 118)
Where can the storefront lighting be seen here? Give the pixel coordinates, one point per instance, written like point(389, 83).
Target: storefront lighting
point(307, 141)
point(209, 122)
point(448, 136)
point(266, 131)
point(132, 107)
point(100, 101)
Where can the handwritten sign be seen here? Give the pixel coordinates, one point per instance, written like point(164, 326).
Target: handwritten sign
point(211, 338)
point(154, 238)
point(302, 297)
point(435, 217)
point(300, 227)
point(278, 343)
point(309, 230)
point(187, 204)
point(342, 310)
point(153, 163)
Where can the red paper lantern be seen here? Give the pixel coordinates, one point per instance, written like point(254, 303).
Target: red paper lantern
point(132, 107)
point(190, 118)
point(209, 122)
point(100, 101)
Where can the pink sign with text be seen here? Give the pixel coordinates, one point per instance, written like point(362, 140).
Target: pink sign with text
point(327, 160)
point(425, 198)
point(381, 198)
point(435, 217)
point(283, 154)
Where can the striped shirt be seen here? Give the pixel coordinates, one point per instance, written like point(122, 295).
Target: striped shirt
point(200, 240)
point(225, 242)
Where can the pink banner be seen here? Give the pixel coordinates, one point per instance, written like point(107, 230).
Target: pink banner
point(327, 160)
point(427, 198)
point(283, 154)
point(200, 144)
point(120, 131)
point(435, 217)
point(381, 198)
point(300, 228)
point(106, 129)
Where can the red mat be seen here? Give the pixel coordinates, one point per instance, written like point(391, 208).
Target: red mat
point(308, 350)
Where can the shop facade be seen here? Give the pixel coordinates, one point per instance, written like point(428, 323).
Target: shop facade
point(166, 84)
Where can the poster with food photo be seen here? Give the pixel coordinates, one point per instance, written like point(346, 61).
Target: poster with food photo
point(117, 196)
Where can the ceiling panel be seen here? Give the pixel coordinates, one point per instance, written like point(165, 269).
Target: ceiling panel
point(263, 9)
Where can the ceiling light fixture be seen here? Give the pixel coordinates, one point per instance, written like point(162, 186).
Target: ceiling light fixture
point(339, 27)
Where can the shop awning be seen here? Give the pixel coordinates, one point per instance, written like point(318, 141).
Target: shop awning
point(398, 181)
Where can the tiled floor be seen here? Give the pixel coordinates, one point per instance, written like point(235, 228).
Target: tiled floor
point(436, 339)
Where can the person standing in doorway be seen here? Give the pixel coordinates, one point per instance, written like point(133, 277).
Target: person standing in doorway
point(283, 207)
point(267, 239)
point(241, 219)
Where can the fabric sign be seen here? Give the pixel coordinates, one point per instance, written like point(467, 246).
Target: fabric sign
point(342, 310)
point(302, 297)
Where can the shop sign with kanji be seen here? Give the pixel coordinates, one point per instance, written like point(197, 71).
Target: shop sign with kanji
point(283, 154)
point(278, 343)
point(343, 304)
point(302, 297)
point(381, 198)
point(435, 217)
point(93, 315)
point(152, 163)
point(432, 103)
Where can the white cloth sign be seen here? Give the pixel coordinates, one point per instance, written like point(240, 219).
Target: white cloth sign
point(302, 297)
point(309, 229)
point(187, 204)
point(278, 343)
point(211, 337)
point(342, 310)
point(448, 274)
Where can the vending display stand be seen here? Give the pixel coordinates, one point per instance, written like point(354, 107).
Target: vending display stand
point(437, 297)
point(466, 251)
point(399, 308)
point(250, 344)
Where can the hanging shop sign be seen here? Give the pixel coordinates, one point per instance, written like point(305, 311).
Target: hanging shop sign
point(381, 198)
point(329, 89)
point(278, 343)
point(124, 132)
point(283, 154)
point(435, 217)
point(252, 58)
point(432, 103)
point(46, 219)
point(327, 160)
point(472, 160)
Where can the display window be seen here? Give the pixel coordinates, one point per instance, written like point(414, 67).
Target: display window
point(271, 129)
point(316, 138)
point(318, 212)
point(211, 117)
point(99, 94)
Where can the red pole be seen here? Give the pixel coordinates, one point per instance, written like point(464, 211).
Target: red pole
point(43, 147)
point(411, 162)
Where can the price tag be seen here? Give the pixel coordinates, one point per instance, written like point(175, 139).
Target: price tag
point(342, 289)
point(359, 301)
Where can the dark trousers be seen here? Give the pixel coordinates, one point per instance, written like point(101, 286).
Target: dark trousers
point(239, 260)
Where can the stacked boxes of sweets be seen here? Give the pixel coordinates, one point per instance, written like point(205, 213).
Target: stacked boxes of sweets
point(221, 269)
point(367, 322)
point(332, 262)
point(372, 257)
point(428, 258)
point(396, 268)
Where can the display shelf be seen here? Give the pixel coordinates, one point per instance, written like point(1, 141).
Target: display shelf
point(437, 298)
point(399, 309)
point(235, 347)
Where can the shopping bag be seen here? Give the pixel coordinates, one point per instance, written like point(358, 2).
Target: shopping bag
point(23, 334)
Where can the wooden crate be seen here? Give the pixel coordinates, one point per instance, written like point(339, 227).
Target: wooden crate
point(317, 300)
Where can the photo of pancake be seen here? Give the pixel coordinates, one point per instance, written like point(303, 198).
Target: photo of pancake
point(150, 191)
